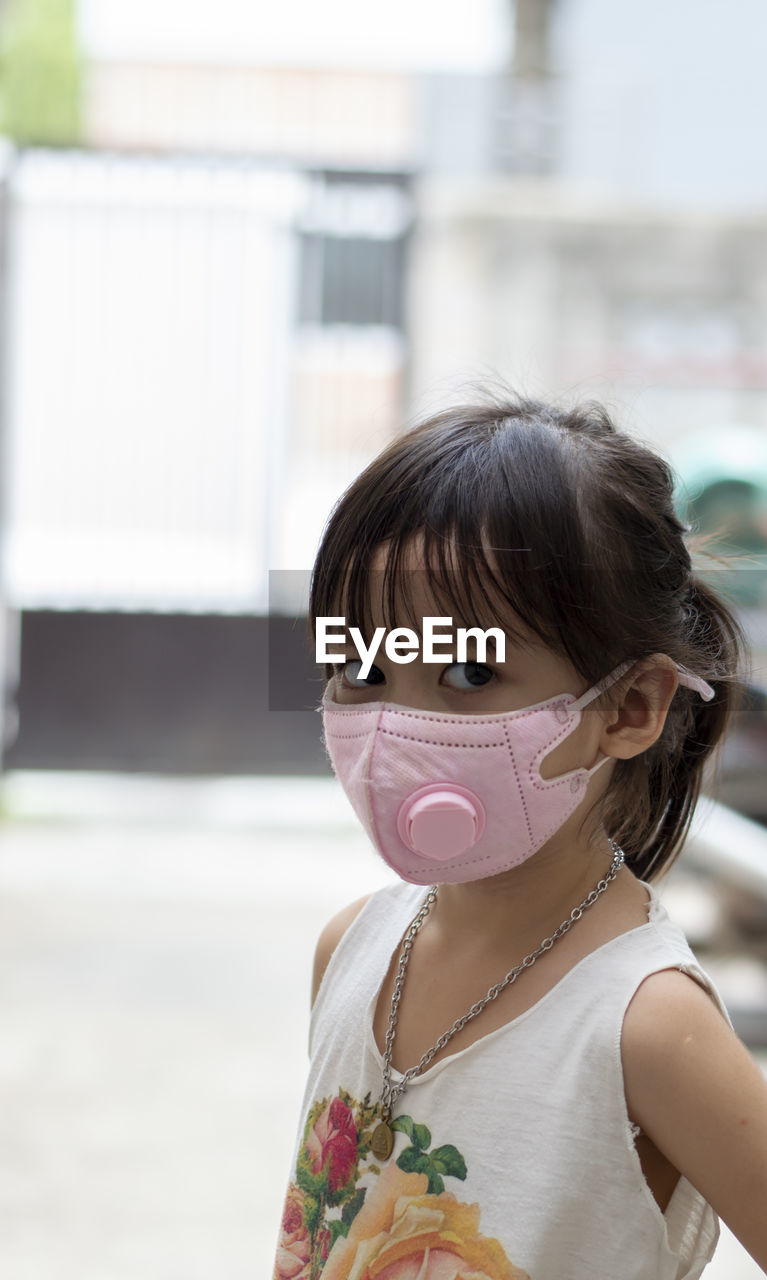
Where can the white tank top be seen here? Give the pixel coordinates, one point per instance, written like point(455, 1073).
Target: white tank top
point(514, 1157)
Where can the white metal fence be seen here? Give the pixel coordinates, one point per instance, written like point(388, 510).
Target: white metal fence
point(183, 402)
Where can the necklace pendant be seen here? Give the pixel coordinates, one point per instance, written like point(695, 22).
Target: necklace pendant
point(382, 1141)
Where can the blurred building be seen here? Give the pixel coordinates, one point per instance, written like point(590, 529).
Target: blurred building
point(587, 210)
point(283, 241)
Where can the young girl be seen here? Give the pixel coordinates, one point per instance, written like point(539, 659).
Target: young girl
point(521, 1072)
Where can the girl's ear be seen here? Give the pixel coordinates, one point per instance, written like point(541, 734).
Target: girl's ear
point(637, 714)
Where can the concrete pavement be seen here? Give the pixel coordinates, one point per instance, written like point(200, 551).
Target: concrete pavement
point(155, 950)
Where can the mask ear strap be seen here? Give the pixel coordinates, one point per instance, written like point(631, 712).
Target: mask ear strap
point(686, 678)
point(599, 688)
point(697, 683)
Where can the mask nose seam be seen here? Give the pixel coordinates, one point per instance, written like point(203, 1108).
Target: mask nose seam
point(368, 768)
point(518, 781)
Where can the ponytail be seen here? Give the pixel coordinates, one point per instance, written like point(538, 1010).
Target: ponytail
point(653, 796)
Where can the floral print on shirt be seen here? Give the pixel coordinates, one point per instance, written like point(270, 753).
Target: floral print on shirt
point(348, 1218)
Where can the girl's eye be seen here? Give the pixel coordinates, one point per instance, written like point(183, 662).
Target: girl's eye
point(350, 675)
point(467, 675)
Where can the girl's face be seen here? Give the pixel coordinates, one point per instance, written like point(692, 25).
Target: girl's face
point(531, 673)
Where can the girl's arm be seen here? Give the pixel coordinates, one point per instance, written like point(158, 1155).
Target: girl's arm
point(698, 1094)
point(329, 939)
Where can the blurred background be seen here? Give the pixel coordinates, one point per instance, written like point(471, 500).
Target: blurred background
point(240, 248)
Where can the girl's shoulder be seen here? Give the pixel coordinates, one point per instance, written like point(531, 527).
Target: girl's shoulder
point(331, 936)
point(339, 925)
point(697, 1093)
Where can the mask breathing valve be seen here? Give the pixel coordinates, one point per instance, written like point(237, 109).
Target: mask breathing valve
point(441, 821)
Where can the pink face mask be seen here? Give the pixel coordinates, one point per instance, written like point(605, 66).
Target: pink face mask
point(449, 798)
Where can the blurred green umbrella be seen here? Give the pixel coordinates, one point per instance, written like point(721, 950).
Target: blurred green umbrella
point(722, 494)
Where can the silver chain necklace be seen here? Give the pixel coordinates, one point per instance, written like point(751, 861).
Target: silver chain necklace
point(382, 1140)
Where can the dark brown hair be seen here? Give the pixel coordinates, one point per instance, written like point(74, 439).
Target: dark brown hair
point(572, 524)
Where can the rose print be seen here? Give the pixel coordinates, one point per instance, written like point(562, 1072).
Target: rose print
point(331, 1144)
point(403, 1234)
point(293, 1250)
point(349, 1218)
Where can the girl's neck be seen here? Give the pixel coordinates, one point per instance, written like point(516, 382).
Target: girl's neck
point(529, 901)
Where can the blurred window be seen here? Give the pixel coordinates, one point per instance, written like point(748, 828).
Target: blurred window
point(353, 240)
point(351, 281)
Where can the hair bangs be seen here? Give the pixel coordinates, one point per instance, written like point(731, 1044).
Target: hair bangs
point(459, 540)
